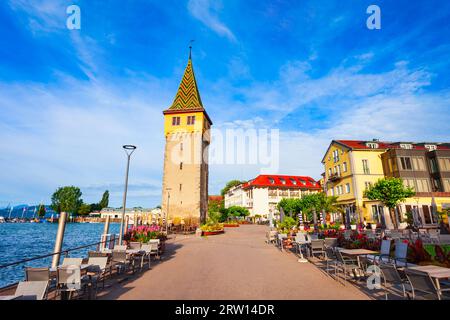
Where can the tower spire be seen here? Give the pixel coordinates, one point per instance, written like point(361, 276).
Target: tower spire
point(190, 49)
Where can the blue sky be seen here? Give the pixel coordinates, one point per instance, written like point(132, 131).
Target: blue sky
point(70, 98)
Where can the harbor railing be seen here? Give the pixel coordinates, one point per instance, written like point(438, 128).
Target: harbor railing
point(107, 241)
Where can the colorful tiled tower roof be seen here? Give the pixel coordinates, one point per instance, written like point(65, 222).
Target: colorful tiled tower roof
point(188, 97)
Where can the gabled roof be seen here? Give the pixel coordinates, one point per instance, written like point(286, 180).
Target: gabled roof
point(292, 182)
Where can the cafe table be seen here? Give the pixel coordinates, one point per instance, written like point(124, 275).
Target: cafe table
point(435, 272)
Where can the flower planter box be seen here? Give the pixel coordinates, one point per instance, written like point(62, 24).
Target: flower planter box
point(226, 225)
point(212, 233)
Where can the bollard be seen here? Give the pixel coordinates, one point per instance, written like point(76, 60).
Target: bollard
point(105, 231)
point(59, 239)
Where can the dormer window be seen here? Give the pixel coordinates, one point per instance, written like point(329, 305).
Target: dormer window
point(372, 145)
point(406, 146)
point(431, 147)
point(283, 181)
point(272, 180)
point(293, 181)
point(303, 182)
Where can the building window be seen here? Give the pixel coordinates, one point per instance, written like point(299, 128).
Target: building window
point(423, 185)
point(368, 185)
point(283, 181)
point(190, 120)
point(344, 166)
point(365, 164)
point(406, 146)
point(181, 186)
point(347, 188)
point(418, 164)
point(372, 145)
point(329, 172)
point(181, 146)
point(431, 147)
point(272, 180)
point(338, 170)
point(444, 164)
point(293, 181)
point(406, 163)
point(176, 121)
point(336, 156)
point(181, 165)
point(446, 185)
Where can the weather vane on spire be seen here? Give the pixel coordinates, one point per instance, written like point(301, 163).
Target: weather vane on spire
point(190, 48)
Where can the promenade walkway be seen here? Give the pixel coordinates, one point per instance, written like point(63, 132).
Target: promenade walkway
point(235, 265)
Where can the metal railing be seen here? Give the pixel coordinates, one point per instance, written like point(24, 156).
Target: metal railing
point(109, 242)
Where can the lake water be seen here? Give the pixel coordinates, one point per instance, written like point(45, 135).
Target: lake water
point(20, 241)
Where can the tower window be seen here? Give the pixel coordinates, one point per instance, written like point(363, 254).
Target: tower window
point(176, 121)
point(181, 165)
point(181, 186)
point(190, 120)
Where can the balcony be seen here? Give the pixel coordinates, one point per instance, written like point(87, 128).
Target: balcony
point(334, 177)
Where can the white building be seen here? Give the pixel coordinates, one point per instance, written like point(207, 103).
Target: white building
point(262, 194)
point(147, 215)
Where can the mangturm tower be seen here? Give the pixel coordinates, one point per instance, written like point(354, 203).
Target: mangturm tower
point(186, 130)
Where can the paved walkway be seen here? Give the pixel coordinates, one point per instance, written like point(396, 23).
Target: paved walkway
point(235, 265)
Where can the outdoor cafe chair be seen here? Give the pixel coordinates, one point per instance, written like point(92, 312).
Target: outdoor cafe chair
point(392, 278)
point(72, 262)
point(385, 253)
point(401, 253)
point(423, 283)
point(330, 242)
point(271, 236)
point(147, 254)
point(120, 248)
point(346, 265)
point(281, 237)
point(300, 241)
point(317, 247)
point(99, 266)
point(433, 235)
point(331, 260)
point(70, 281)
point(31, 290)
point(39, 274)
point(119, 260)
point(135, 245)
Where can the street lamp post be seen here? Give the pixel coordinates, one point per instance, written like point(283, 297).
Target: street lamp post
point(168, 202)
point(129, 149)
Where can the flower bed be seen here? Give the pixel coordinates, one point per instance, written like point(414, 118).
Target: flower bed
point(212, 233)
point(144, 233)
point(231, 225)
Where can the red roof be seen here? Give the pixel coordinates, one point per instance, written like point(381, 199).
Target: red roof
point(215, 198)
point(361, 144)
point(283, 181)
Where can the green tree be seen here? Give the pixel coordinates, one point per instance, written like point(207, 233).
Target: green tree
point(41, 211)
point(230, 185)
point(67, 199)
point(238, 212)
point(389, 191)
point(84, 209)
point(105, 200)
point(290, 206)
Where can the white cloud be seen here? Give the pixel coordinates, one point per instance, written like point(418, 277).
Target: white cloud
point(206, 11)
point(42, 15)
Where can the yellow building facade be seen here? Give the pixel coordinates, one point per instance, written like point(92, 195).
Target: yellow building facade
point(352, 166)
